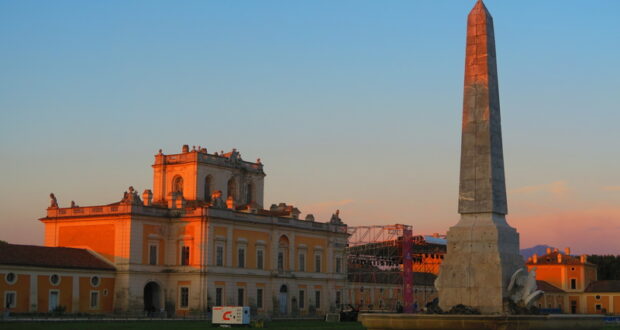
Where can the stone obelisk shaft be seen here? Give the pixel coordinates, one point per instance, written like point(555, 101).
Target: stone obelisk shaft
point(482, 184)
point(483, 250)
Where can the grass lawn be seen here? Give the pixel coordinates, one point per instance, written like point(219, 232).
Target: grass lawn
point(165, 325)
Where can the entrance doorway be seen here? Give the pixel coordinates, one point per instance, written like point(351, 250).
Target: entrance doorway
point(53, 301)
point(151, 298)
point(283, 299)
point(573, 307)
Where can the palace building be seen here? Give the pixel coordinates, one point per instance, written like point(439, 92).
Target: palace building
point(571, 286)
point(200, 238)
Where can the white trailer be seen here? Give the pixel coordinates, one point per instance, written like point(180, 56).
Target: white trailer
point(231, 315)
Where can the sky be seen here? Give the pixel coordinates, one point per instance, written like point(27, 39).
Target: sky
point(351, 105)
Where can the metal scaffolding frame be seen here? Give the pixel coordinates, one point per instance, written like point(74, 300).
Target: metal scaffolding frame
point(390, 254)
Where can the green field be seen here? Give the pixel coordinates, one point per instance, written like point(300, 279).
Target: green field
point(169, 325)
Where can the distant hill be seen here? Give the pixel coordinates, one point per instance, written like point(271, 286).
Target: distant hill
point(538, 249)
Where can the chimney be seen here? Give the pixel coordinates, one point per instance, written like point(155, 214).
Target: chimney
point(548, 250)
point(583, 258)
point(555, 250)
point(147, 197)
point(535, 258)
point(567, 251)
point(559, 258)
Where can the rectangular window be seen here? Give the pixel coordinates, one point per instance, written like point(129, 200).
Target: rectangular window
point(152, 254)
point(240, 295)
point(184, 297)
point(338, 264)
point(259, 259)
point(218, 296)
point(573, 283)
point(241, 256)
point(317, 299)
point(185, 255)
point(259, 298)
point(280, 261)
point(317, 263)
point(219, 256)
point(53, 301)
point(302, 262)
point(302, 299)
point(10, 299)
point(94, 299)
point(337, 298)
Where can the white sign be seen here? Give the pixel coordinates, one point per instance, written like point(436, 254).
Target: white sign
point(231, 315)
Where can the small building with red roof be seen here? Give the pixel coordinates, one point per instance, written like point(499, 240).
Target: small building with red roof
point(41, 279)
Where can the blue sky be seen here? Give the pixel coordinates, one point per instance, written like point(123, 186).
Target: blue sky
point(350, 104)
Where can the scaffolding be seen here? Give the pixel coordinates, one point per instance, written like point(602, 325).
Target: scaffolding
point(376, 259)
point(387, 257)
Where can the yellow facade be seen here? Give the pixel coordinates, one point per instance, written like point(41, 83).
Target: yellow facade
point(35, 292)
point(574, 287)
point(202, 238)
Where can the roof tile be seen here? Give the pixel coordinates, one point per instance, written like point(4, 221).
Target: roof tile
point(52, 257)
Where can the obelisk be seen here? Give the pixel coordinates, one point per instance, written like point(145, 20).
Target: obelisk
point(483, 250)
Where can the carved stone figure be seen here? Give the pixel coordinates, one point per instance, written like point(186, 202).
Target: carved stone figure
point(134, 198)
point(336, 218)
point(216, 200)
point(73, 204)
point(53, 202)
point(177, 185)
point(522, 288)
point(131, 197)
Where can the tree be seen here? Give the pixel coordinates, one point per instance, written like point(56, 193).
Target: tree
point(607, 266)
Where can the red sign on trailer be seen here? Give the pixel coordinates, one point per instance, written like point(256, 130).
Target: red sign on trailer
point(231, 315)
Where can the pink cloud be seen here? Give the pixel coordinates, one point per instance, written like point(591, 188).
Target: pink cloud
point(591, 231)
point(557, 188)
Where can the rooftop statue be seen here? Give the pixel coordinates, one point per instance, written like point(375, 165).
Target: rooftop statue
point(216, 200)
point(53, 202)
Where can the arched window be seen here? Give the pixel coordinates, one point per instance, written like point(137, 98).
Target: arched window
point(208, 188)
point(232, 188)
point(177, 185)
point(249, 193)
point(283, 245)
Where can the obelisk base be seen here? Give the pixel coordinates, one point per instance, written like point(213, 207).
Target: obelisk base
point(482, 255)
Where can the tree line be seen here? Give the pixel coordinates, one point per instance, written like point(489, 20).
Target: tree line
point(607, 266)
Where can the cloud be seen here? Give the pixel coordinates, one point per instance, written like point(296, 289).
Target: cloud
point(557, 188)
point(588, 230)
point(610, 188)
